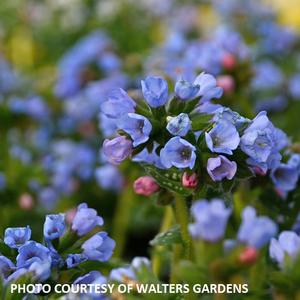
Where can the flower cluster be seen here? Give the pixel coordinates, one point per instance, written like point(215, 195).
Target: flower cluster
point(186, 131)
point(64, 247)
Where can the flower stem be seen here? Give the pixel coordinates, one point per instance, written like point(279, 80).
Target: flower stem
point(182, 218)
point(157, 253)
point(122, 219)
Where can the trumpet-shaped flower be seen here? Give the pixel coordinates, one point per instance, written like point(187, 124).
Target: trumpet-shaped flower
point(178, 153)
point(137, 126)
point(155, 91)
point(223, 138)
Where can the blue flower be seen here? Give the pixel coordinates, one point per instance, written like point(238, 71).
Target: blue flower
point(256, 231)
point(185, 90)
point(149, 157)
point(294, 161)
point(117, 149)
point(54, 226)
point(32, 252)
point(267, 76)
point(155, 91)
point(210, 220)
point(16, 275)
point(285, 177)
point(41, 271)
point(179, 125)
point(262, 142)
point(225, 113)
point(208, 87)
point(73, 260)
point(139, 262)
point(221, 167)
point(109, 177)
point(223, 138)
point(99, 247)
point(94, 279)
point(122, 274)
point(137, 126)
point(294, 86)
point(117, 104)
point(16, 237)
point(85, 220)
point(288, 244)
point(6, 266)
point(178, 153)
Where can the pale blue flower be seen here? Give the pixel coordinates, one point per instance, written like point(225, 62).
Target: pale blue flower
point(178, 153)
point(223, 138)
point(155, 91)
point(210, 220)
point(137, 126)
point(179, 125)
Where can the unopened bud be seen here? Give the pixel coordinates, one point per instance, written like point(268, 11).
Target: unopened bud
point(228, 61)
point(226, 82)
point(248, 256)
point(190, 181)
point(26, 202)
point(145, 186)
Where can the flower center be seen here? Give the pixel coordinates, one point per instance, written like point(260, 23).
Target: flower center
point(185, 153)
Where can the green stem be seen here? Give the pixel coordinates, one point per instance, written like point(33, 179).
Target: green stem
point(177, 252)
point(156, 255)
point(182, 218)
point(180, 251)
point(122, 219)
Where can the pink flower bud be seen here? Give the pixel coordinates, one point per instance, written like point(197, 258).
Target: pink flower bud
point(228, 61)
point(70, 214)
point(259, 171)
point(26, 202)
point(189, 181)
point(145, 185)
point(226, 82)
point(248, 256)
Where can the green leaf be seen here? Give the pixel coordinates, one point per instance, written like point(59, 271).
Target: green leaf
point(168, 238)
point(200, 121)
point(169, 179)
